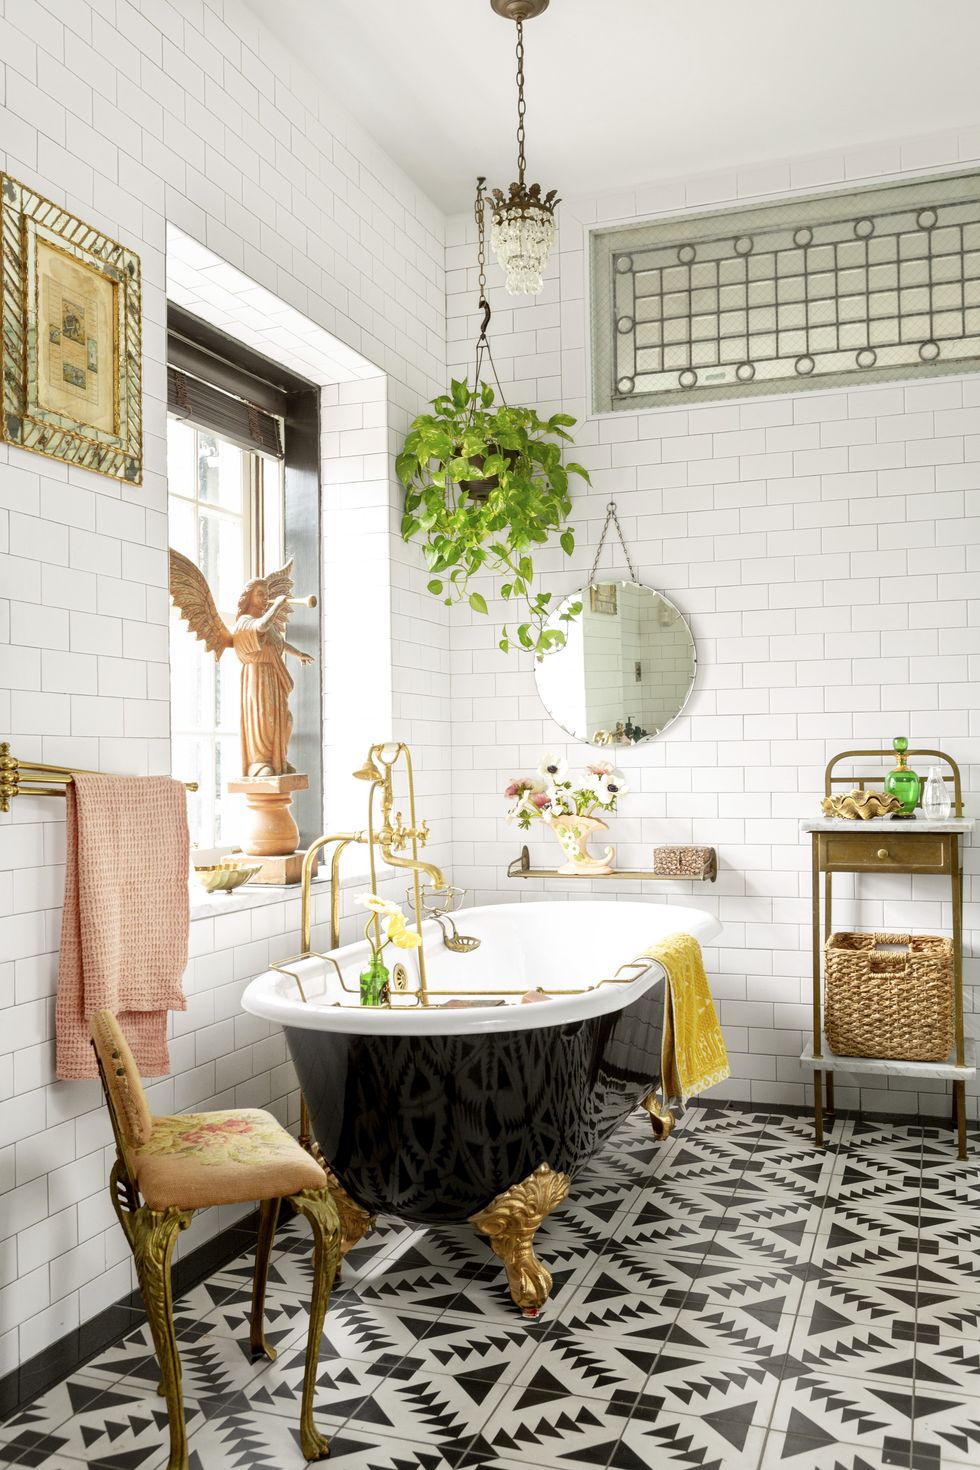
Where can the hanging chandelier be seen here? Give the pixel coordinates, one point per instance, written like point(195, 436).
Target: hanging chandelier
point(522, 221)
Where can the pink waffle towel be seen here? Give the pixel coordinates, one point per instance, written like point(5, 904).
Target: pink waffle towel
point(126, 917)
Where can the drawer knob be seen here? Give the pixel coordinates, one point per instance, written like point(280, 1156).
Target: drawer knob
point(883, 852)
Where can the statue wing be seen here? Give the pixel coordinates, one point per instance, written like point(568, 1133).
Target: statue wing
point(280, 584)
point(192, 597)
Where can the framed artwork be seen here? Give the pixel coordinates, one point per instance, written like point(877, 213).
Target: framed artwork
point(71, 337)
point(603, 598)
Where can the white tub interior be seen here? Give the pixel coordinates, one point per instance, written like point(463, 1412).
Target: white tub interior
point(556, 945)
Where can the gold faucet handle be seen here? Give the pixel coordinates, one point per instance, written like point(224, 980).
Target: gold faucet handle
point(399, 834)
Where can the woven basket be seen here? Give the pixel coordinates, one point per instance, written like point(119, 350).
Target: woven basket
point(897, 1007)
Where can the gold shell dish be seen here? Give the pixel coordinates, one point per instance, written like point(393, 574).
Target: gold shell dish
point(860, 805)
point(223, 877)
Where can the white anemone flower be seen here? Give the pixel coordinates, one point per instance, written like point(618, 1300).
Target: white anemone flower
point(521, 805)
point(609, 788)
point(553, 768)
point(377, 905)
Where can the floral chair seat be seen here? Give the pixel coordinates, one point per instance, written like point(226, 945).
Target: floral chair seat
point(202, 1159)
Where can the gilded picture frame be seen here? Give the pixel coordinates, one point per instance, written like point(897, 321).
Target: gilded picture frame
point(71, 331)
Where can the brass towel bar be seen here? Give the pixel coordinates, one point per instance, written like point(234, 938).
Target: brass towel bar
point(32, 778)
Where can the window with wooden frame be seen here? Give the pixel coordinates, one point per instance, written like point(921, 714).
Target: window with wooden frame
point(242, 497)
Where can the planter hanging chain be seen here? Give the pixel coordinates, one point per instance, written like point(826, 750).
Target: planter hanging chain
point(482, 342)
point(612, 516)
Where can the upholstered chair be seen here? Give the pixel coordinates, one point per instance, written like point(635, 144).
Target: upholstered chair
point(166, 1168)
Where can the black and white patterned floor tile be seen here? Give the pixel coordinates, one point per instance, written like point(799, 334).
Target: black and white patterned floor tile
point(122, 1425)
point(732, 1298)
point(238, 1436)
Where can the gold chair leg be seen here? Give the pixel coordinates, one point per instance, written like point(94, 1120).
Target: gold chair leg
point(268, 1216)
point(510, 1222)
point(152, 1234)
point(318, 1207)
point(662, 1120)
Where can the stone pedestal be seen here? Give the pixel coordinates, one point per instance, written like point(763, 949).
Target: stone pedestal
point(271, 834)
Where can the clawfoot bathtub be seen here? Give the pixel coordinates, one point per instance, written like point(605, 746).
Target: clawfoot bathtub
point(484, 1113)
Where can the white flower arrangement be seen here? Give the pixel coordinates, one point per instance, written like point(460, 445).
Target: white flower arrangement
point(553, 793)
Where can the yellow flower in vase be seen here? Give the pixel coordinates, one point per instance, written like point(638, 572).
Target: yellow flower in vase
point(375, 978)
point(400, 935)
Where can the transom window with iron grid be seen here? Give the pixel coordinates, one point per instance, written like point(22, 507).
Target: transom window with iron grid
point(882, 283)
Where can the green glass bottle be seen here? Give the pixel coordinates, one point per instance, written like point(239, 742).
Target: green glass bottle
point(374, 983)
point(903, 783)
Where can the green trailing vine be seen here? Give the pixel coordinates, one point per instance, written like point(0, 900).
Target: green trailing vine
point(485, 487)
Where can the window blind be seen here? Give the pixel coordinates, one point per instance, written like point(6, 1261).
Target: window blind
point(234, 418)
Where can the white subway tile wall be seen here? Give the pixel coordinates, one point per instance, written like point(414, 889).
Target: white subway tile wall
point(825, 549)
point(189, 113)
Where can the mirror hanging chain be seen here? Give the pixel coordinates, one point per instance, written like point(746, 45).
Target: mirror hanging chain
point(611, 515)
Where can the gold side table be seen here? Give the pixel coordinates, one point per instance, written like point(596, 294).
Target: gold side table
point(887, 845)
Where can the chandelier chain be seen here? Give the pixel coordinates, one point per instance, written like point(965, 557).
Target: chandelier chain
point(521, 105)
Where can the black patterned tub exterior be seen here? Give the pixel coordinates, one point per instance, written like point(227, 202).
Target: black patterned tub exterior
point(432, 1128)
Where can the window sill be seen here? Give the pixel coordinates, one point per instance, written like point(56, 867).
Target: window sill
point(205, 905)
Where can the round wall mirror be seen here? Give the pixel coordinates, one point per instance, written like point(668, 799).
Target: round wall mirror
point(627, 669)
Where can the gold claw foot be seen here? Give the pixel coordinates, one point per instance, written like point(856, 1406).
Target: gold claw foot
point(662, 1120)
point(355, 1220)
point(510, 1222)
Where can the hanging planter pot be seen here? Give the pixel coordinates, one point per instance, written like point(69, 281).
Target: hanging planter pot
point(478, 490)
point(469, 448)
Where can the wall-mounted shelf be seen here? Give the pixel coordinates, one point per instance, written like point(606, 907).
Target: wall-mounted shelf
point(521, 868)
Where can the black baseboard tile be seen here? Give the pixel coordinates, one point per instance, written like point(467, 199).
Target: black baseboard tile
point(113, 1323)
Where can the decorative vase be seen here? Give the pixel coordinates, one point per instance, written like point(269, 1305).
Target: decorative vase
point(573, 833)
point(936, 800)
point(374, 983)
point(903, 783)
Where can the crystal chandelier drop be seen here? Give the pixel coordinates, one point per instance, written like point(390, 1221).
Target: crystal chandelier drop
point(522, 221)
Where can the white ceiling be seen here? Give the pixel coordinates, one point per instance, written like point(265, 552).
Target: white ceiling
point(629, 91)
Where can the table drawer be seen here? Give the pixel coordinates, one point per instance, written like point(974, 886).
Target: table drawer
point(879, 851)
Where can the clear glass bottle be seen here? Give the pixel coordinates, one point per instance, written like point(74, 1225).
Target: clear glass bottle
point(936, 800)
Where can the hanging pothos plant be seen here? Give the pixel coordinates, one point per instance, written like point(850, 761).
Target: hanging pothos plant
point(486, 487)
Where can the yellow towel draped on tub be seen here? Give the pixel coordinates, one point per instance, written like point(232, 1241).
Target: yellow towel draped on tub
point(693, 1055)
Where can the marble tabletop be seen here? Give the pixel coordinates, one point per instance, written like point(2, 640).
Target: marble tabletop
point(903, 826)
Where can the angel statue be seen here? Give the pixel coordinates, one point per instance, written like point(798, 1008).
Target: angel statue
point(259, 639)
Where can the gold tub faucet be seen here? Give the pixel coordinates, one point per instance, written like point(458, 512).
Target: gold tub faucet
point(391, 837)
